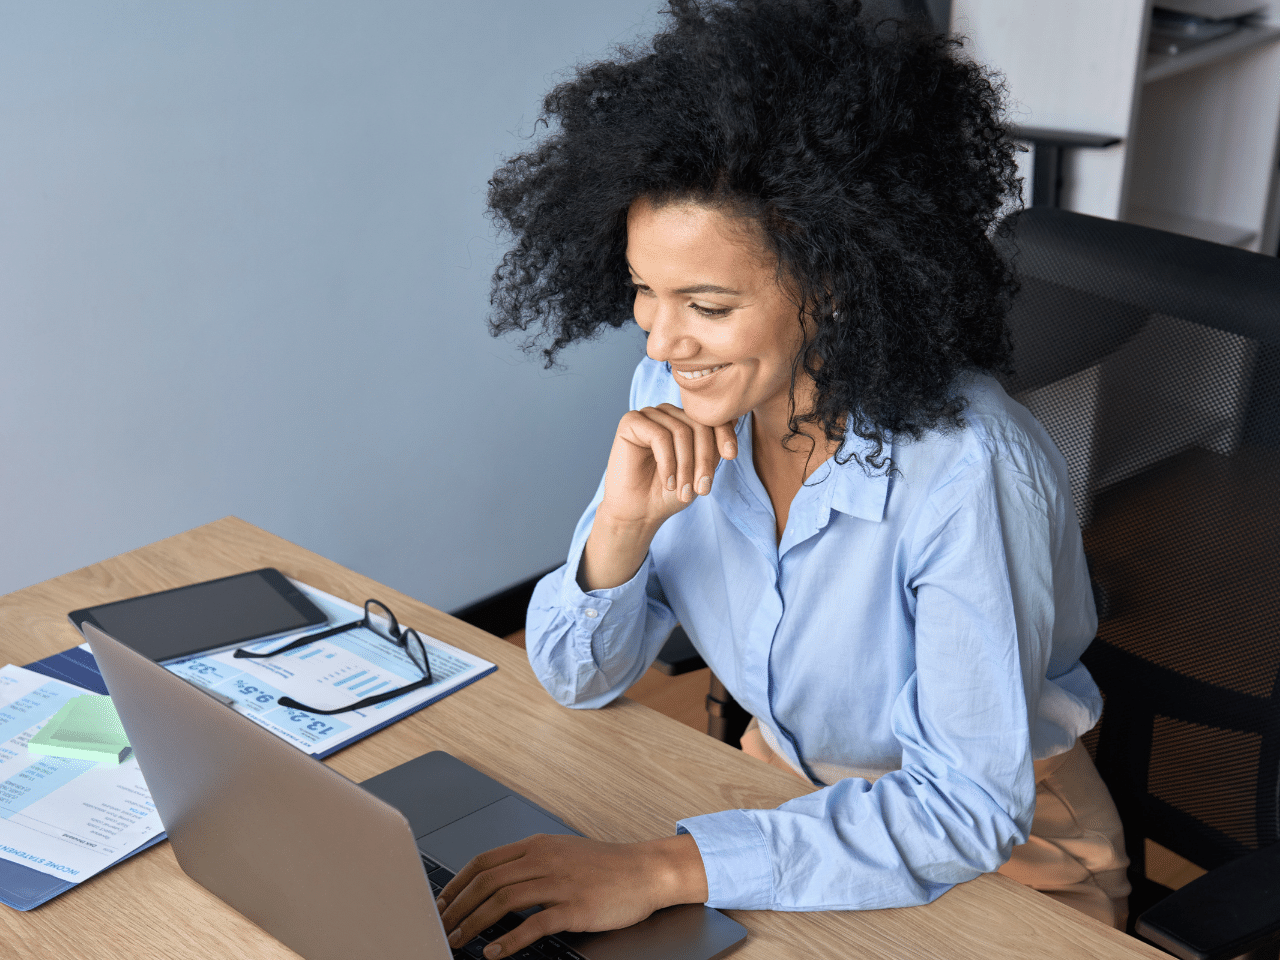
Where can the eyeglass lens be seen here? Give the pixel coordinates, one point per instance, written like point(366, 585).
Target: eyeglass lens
point(389, 629)
point(381, 620)
point(417, 650)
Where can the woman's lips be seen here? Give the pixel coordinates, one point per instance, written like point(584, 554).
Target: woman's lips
point(698, 376)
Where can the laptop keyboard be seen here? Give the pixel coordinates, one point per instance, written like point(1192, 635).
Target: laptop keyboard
point(548, 948)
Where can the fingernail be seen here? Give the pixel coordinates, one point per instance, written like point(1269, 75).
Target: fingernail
point(493, 950)
point(671, 483)
point(440, 903)
point(455, 938)
point(687, 493)
point(730, 449)
point(704, 486)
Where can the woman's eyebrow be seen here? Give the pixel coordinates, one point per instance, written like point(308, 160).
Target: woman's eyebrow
point(697, 288)
point(710, 288)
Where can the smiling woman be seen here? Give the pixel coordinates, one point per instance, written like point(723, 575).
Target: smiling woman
point(872, 546)
point(710, 300)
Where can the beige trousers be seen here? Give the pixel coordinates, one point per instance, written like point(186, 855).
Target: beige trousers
point(1075, 853)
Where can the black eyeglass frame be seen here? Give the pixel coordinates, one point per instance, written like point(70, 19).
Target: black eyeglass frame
point(406, 638)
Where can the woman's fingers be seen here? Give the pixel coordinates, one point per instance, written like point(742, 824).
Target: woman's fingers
point(544, 923)
point(581, 884)
point(649, 446)
point(706, 447)
point(660, 463)
point(686, 452)
point(484, 891)
point(504, 900)
point(689, 441)
point(479, 864)
point(726, 441)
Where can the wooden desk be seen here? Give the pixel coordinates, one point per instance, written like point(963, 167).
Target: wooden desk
point(634, 771)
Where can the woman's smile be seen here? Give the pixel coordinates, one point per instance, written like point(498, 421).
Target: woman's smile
point(697, 374)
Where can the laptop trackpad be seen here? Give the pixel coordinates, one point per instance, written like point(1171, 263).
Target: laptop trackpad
point(501, 822)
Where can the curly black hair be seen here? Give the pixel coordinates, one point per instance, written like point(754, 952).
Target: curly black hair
point(871, 156)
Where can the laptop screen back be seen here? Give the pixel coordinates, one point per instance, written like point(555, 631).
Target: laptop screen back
point(308, 855)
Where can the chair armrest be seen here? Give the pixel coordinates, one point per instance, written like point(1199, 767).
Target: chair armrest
point(1046, 152)
point(1061, 138)
point(678, 656)
point(1229, 911)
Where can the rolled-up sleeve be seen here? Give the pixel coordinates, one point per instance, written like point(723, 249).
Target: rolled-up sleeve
point(587, 648)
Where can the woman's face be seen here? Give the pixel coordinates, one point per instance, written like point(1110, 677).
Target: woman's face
point(707, 295)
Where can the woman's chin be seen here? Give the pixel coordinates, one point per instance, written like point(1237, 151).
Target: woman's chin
point(706, 412)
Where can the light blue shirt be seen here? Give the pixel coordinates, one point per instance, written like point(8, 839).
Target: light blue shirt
point(923, 628)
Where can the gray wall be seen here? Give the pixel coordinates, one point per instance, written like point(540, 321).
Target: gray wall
point(244, 269)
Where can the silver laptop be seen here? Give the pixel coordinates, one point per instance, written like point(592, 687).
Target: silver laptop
point(332, 868)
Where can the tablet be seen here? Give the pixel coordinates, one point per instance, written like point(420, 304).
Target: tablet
point(205, 617)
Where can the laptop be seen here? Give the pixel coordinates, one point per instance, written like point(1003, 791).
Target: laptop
point(334, 869)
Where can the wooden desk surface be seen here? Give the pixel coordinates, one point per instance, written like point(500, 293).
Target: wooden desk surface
point(635, 773)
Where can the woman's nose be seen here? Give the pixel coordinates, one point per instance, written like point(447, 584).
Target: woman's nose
point(668, 339)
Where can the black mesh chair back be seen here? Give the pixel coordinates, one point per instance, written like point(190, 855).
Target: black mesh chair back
point(1154, 362)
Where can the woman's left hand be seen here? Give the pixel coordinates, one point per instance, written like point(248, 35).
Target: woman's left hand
point(581, 884)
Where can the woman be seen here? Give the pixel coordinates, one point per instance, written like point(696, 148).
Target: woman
point(871, 545)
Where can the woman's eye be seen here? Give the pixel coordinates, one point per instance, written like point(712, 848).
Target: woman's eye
point(709, 311)
point(642, 290)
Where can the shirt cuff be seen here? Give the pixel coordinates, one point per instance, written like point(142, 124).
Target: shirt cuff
point(588, 609)
point(736, 859)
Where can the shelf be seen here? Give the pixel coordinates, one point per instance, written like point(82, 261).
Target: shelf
point(1162, 65)
point(1223, 233)
point(1199, 129)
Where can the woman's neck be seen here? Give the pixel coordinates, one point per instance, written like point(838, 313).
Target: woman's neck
point(772, 439)
point(784, 461)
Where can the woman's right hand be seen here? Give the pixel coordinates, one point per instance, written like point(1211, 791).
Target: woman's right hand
point(660, 463)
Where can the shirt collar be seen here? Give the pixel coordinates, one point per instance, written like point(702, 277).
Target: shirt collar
point(846, 487)
point(853, 491)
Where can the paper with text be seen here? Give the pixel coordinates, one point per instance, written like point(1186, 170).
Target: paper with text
point(329, 673)
point(66, 818)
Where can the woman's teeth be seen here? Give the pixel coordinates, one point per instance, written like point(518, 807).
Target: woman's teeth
point(695, 374)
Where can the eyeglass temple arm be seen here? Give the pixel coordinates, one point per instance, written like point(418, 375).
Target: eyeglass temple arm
point(300, 642)
point(293, 704)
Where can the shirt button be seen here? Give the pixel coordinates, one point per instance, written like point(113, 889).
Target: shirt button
point(592, 613)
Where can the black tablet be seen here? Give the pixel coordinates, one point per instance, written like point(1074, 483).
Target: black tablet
point(205, 617)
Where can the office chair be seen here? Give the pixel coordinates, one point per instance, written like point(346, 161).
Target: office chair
point(1154, 362)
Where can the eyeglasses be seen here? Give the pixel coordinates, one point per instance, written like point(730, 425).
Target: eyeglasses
point(383, 624)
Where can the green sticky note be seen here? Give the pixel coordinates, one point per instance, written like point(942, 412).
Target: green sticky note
point(85, 728)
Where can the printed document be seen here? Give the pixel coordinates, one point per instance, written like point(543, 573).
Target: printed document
point(66, 818)
point(337, 670)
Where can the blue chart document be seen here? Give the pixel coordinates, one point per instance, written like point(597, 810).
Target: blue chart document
point(61, 821)
point(329, 673)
